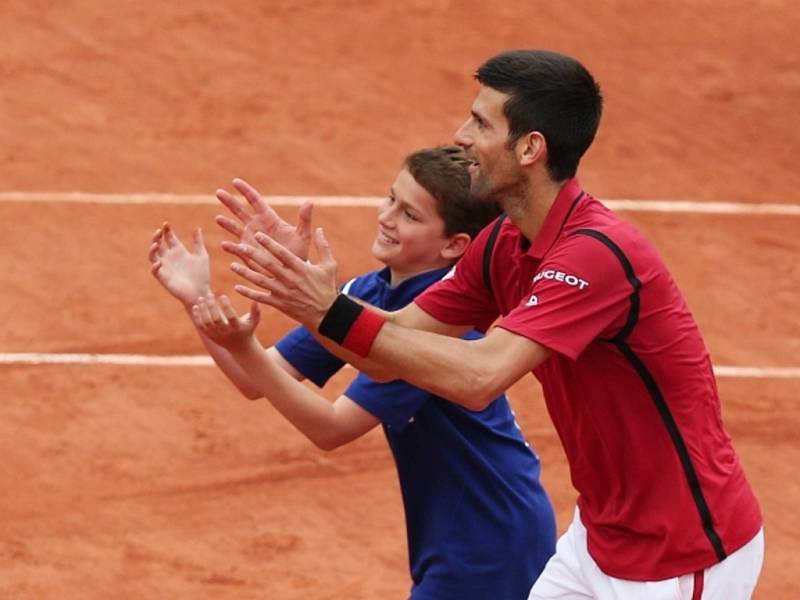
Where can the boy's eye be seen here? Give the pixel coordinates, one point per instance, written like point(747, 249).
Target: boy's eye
point(411, 215)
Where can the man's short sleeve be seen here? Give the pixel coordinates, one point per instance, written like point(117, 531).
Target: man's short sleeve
point(461, 296)
point(308, 356)
point(578, 294)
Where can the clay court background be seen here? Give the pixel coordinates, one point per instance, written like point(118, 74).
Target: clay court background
point(160, 481)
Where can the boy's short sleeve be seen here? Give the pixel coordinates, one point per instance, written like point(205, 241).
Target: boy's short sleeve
point(301, 349)
point(395, 402)
point(308, 356)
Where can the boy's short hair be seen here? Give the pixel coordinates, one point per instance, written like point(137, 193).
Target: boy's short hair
point(443, 172)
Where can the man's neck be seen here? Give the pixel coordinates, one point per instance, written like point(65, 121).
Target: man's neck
point(529, 211)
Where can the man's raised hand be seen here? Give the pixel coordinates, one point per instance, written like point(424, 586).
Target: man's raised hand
point(300, 290)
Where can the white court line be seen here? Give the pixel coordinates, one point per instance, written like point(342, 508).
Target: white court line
point(139, 360)
point(36, 358)
point(158, 198)
point(667, 206)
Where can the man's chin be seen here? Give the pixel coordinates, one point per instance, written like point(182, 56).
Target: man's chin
point(480, 191)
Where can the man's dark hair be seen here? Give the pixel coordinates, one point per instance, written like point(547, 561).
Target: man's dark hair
point(443, 172)
point(549, 93)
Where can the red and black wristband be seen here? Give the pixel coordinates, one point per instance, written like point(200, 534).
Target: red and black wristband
point(351, 325)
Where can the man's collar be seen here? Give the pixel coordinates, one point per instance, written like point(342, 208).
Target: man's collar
point(556, 218)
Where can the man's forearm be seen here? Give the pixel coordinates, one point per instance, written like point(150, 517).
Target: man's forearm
point(471, 373)
point(448, 367)
point(375, 370)
point(442, 365)
point(410, 317)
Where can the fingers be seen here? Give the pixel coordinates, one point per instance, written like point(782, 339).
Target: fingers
point(154, 253)
point(227, 308)
point(326, 257)
point(265, 282)
point(303, 227)
point(216, 316)
point(155, 250)
point(158, 234)
point(255, 312)
point(286, 257)
point(197, 316)
point(209, 315)
point(199, 243)
point(254, 295)
point(204, 311)
point(255, 258)
point(170, 238)
point(232, 204)
point(230, 226)
point(201, 316)
point(251, 195)
point(243, 251)
point(265, 211)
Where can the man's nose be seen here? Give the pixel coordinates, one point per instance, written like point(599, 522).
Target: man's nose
point(461, 138)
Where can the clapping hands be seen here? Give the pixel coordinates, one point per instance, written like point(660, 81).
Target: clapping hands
point(263, 218)
point(216, 318)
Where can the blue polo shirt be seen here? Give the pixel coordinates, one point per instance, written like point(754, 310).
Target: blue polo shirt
point(479, 524)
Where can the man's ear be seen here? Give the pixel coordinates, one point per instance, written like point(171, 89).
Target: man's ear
point(456, 247)
point(531, 148)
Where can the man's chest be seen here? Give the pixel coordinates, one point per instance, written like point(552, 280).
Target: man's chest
point(515, 276)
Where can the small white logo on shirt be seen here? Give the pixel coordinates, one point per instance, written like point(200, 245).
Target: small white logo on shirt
point(572, 280)
point(532, 301)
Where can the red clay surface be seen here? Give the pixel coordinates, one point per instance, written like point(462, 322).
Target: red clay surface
point(145, 482)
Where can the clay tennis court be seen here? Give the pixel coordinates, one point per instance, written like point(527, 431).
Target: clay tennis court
point(131, 471)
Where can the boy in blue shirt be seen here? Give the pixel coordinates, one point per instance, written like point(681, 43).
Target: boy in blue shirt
point(479, 524)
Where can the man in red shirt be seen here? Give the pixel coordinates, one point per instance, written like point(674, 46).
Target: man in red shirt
point(586, 304)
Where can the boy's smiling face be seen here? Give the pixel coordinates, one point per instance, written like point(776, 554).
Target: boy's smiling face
point(410, 237)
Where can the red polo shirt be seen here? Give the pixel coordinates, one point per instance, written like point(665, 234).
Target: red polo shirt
point(629, 386)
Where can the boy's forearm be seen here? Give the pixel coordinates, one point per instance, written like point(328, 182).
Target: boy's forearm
point(228, 365)
point(231, 369)
point(312, 414)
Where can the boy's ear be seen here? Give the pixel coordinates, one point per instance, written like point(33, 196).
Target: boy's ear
point(456, 247)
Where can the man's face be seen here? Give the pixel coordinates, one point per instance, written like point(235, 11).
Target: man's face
point(495, 170)
point(410, 232)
